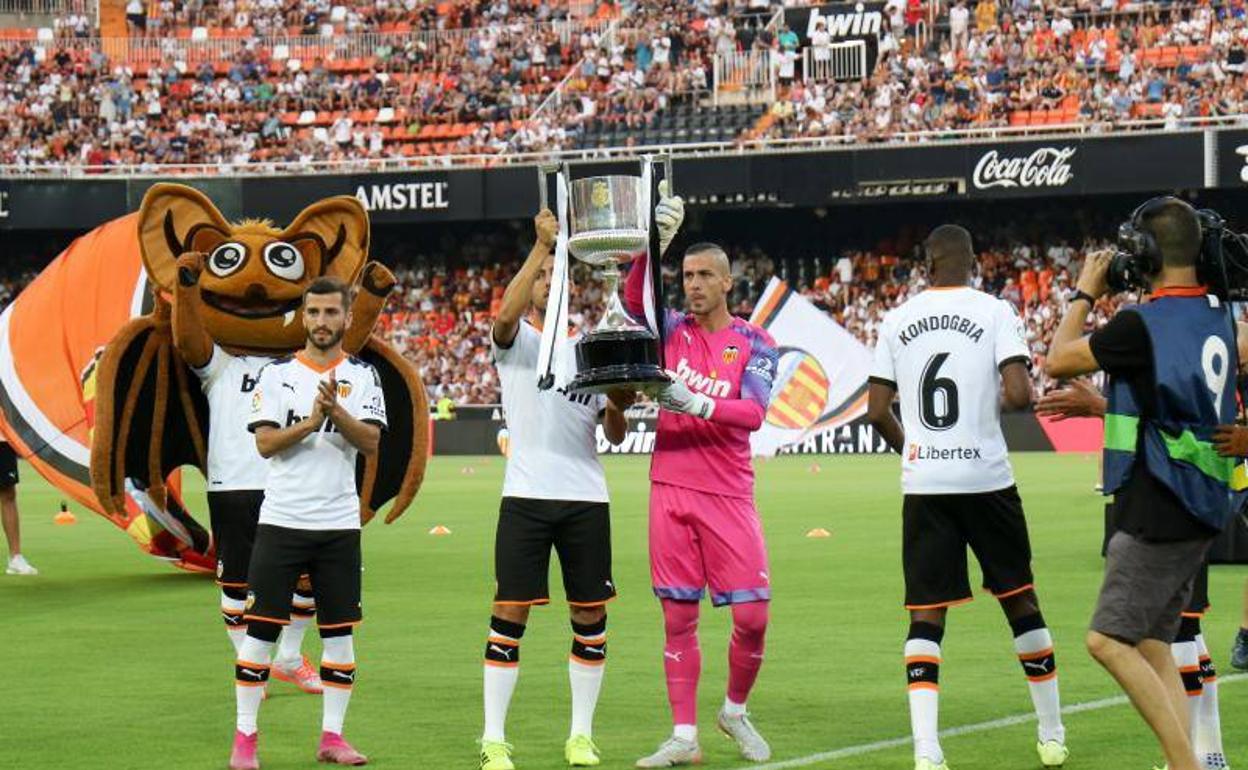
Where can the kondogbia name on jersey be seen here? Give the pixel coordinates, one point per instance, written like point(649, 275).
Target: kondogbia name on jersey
point(943, 322)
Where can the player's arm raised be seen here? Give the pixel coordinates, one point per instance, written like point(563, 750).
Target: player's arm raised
point(517, 297)
point(668, 216)
point(1070, 354)
point(364, 436)
point(189, 336)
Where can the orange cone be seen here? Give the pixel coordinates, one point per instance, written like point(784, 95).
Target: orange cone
point(439, 530)
point(818, 532)
point(64, 516)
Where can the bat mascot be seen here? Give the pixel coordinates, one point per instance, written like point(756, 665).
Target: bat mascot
point(239, 286)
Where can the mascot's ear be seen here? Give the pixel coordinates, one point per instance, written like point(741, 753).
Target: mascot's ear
point(336, 230)
point(173, 220)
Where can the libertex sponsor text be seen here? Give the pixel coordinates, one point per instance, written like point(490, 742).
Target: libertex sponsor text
point(918, 452)
point(1043, 167)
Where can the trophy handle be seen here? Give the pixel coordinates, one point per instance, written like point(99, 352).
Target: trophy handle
point(664, 159)
point(544, 170)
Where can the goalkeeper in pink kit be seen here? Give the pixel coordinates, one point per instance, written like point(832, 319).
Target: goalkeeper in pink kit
point(704, 528)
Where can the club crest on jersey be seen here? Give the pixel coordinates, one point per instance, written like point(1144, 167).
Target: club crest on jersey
point(700, 382)
point(344, 388)
point(731, 353)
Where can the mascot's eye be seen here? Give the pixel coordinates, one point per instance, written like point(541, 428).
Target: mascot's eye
point(284, 260)
point(226, 258)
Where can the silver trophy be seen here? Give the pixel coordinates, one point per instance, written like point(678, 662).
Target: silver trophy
point(608, 228)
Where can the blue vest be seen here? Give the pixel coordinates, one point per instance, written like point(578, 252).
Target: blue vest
point(1195, 361)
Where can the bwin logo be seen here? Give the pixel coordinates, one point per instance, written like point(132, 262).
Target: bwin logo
point(700, 382)
point(858, 23)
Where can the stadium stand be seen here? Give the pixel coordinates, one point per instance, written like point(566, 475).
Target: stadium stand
point(473, 79)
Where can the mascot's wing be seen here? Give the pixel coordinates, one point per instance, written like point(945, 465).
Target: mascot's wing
point(398, 469)
point(151, 416)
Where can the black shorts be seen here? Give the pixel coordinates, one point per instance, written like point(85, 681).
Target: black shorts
point(581, 534)
point(8, 466)
point(234, 514)
point(330, 557)
point(936, 529)
point(1198, 605)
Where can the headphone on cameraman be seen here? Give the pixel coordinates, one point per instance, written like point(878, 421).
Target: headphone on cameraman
point(1140, 242)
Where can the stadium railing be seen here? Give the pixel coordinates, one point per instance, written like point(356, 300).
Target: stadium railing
point(703, 149)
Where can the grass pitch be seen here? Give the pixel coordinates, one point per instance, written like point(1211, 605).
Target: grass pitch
point(116, 660)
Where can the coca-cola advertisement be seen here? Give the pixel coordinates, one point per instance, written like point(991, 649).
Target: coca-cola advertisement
point(1042, 167)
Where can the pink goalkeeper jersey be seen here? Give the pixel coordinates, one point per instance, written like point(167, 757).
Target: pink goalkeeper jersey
point(735, 366)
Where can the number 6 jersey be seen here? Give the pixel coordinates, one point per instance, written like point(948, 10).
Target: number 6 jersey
point(943, 351)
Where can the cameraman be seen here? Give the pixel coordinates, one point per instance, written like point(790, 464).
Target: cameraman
point(1171, 366)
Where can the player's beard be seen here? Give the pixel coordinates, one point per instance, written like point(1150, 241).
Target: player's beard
point(335, 336)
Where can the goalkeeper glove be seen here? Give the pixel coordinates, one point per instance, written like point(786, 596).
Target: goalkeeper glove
point(677, 397)
point(669, 215)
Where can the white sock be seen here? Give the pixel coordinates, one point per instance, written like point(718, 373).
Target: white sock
point(232, 611)
point(733, 709)
point(923, 672)
point(1208, 727)
point(1188, 662)
point(338, 660)
point(1035, 652)
point(290, 644)
point(586, 666)
point(252, 666)
point(686, 732)
point(502, 669)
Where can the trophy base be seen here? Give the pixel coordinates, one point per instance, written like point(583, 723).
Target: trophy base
point(619, 358)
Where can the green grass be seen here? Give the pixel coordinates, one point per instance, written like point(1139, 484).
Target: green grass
point(116, 660)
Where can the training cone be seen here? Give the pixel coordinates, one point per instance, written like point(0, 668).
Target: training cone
point(64, 516)
point(818, 532)
point(816, 468)
point(439, 530)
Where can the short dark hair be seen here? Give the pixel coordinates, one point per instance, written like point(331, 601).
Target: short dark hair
point(1176, 229)
point(704, 246)
point(328, 284)
point(950, 246)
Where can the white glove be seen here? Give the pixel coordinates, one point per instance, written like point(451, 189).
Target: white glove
point(677, 397)
point(669, 215)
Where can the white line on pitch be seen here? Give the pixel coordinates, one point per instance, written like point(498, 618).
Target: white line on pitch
point(980, 727)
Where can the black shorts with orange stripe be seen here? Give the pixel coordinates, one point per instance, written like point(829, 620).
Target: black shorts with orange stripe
point(528, 528)
point(936, 531)
point(331, 558)
point(234, 514)
point(1198, 605)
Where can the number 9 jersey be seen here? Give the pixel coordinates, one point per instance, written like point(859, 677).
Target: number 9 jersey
point(943, 351)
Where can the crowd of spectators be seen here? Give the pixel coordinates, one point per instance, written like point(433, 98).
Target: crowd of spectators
point(482, 69)
point(1005, 62)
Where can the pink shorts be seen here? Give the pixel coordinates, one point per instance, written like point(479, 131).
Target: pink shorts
point(699, 539)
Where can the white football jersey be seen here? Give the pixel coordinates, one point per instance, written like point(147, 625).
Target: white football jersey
point(228, 382)
point(311, 485)
point(943, 351)
point(554, 446)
